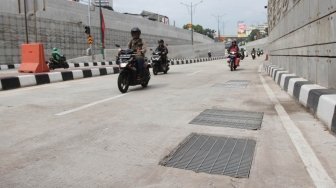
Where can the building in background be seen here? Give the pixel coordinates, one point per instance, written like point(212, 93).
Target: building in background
point(155, 17)
point(262, 28)
point(242, 29)
point(152, 16)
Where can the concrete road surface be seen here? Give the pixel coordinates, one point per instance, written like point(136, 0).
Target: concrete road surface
point(85, 133)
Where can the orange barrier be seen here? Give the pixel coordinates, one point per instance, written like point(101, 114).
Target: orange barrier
point(32, 58)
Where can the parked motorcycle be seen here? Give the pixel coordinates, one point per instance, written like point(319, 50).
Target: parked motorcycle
point(157, 63)
point(128, 73)
point(54, 64)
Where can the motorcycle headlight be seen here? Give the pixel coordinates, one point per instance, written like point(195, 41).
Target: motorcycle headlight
point(123, 65)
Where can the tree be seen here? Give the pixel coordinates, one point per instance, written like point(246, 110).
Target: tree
point(199, 29)
point(255, 34)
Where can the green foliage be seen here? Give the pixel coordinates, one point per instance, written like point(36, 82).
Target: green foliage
point(199, 29)
point(255, 35)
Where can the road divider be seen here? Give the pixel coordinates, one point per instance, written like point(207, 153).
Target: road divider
point(319, 100)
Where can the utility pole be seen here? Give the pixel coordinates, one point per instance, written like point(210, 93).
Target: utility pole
point(101, 29)
point(89, 21)
point(218, 20)
point(26, 24)
point(192, 28)
point(191, 6)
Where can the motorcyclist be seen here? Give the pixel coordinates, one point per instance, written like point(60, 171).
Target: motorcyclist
point(56, 55)
point(163, 49)
point(258, 52)
point(139, 46)
point(234, 48)
point(242, 53)
point(209, 53)
point(253, 51)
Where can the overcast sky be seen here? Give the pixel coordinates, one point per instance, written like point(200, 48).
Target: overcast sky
point(249, 11)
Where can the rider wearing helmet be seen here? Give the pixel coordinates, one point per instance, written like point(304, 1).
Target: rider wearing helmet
point(56, 54)
point(234, 47)
point(139, 46)
point(163, 49)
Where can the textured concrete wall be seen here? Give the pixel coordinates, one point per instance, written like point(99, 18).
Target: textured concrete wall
point(175, 52)
point(303, 38)
point(62, 25)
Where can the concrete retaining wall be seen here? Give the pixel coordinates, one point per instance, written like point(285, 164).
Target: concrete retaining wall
point(62, 25)
point(303, 38)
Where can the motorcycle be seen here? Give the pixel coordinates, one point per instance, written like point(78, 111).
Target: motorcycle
point(242, 56)
point(157, 63)
point(232, 57)
point(54, 64)
point(258, 53)
point(128, 73)
point(253, 56)
point(209, 54)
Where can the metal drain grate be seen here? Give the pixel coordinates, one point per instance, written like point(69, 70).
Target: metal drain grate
point(213, 155)
point(229, 118)
point(234, 84)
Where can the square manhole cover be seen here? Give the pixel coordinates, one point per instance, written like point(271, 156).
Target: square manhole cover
point(213, 155)
point(230, 118)
point(234, 84)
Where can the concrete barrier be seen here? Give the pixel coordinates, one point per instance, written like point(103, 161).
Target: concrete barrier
point(319, 100)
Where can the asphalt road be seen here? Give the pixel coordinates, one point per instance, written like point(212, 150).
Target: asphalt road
point(85, 133)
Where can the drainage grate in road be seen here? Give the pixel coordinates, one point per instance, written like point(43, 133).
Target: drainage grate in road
point(213, 155)
point(234, 84)
point(229, 118)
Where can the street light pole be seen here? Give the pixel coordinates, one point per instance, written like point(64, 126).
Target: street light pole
point(26, 24)
point(191, 6)
point(192, 28)
point(101, 29)
point(218, 20)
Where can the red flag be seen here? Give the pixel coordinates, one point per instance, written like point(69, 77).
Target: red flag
point(102, 28)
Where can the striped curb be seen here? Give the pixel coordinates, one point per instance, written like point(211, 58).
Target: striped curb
point(53, 77)
point(8, 67)
point(15, 82)
point(91, 64)
point(319, 100)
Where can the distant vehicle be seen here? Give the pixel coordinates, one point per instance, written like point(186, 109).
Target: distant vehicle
point(157, 63)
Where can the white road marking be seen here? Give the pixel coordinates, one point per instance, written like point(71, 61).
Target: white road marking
point(314, 167)
point(89, 105)
point(191, 74)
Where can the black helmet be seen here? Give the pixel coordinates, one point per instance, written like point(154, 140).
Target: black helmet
point(136, 30)
point(161, 41)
